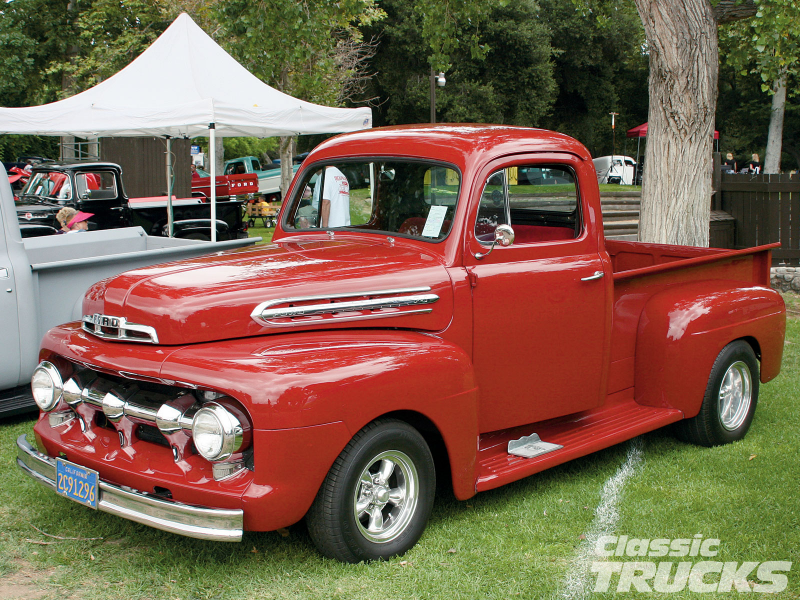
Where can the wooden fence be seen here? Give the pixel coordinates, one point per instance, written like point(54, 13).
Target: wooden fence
point(766, 209)
point(143, 165)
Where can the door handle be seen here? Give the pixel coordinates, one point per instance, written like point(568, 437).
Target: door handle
point(597, 275)
point(3, 273)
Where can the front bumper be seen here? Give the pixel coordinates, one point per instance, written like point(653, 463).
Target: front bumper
point(221, 525)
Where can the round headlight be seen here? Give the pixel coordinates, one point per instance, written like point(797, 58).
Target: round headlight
point(216, 432)
point(46, 386)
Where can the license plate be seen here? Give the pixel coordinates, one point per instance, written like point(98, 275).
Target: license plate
point(76, 482)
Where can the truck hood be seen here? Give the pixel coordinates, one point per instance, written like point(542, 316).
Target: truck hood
point(288, 286)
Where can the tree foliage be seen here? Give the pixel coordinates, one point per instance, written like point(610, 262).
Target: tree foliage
point(308, 48)
point(601, 65)
point(767, 45)
point(499, 72)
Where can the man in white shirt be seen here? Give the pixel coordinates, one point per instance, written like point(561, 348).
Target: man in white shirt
point(335, 209)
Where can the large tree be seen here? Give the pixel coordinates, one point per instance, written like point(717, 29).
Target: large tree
point(684, 65)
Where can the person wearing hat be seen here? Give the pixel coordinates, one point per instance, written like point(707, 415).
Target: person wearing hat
point(79, 223)
point(63, 216)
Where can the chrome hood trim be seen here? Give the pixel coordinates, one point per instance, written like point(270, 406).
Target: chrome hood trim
point(331, 308)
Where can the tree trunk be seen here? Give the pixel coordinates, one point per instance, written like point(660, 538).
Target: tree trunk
point(684, 63)
point(286, 164)
point(772, 158)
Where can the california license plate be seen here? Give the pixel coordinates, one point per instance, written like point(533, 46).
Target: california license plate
point(76, 482)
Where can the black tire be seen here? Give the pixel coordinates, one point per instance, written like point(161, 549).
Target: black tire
point(386, 526)
point(251, 222)
point(725, 417)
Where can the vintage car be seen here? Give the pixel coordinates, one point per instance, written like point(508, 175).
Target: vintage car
point(468, 325)
point(97, 188)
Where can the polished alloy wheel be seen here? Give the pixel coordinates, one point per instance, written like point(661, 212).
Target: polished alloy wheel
point(386, 496)
point(735, 395)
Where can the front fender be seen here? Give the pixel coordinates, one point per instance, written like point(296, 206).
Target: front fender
point(307, 380)
point(683, 328)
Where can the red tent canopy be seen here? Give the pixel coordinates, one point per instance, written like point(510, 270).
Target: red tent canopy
point(641, 131)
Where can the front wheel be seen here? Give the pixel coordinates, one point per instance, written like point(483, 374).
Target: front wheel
point(730, 399)
point(376, 500)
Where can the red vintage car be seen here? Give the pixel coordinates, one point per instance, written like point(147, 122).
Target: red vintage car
point(459, 317)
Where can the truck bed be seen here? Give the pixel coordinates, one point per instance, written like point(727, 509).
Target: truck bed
point(642, 270)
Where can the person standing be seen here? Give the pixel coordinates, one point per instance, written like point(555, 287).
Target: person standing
point(335, 209)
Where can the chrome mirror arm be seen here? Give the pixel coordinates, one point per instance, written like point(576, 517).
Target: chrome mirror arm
point(503, 235)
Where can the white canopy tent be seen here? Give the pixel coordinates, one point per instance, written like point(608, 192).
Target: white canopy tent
point(183, 85)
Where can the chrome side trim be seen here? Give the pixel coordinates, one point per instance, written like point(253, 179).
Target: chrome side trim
point(118, 329)
point(222, 525)
point(264, 314)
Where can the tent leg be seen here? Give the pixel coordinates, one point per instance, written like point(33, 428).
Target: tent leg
point(169, 186)
point(212, 143)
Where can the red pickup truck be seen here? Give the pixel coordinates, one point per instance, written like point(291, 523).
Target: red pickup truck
point(460, 318)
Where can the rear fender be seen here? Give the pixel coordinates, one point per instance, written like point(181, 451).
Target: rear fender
point(682, 330)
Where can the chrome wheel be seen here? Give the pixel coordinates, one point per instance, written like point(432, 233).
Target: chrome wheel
point(386, 496)
point(378, 494)
point(735, 395)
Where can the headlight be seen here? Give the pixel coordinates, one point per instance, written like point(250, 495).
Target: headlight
point(216, 432)
point(46, 386)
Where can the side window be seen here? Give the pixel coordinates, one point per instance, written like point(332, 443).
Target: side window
point(540, 202)
point(100, 185)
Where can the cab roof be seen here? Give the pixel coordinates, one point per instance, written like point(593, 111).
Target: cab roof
point(454, 143)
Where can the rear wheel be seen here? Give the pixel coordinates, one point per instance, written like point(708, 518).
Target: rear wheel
point(730, 399)
point(377, 497)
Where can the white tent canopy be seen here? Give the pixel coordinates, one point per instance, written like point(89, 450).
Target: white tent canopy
point(178, 86)
point(183, 85)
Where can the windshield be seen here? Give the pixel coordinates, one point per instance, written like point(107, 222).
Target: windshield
point(49, 185)
point(408, 198)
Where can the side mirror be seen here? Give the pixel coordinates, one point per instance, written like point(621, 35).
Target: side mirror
point(503, 235)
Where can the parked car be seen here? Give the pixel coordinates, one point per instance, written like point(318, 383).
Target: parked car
point(269, 179)
point(42, 281)
point(470, 325)
point(97, 188)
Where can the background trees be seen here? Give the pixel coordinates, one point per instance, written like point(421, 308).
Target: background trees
point(549, 63)
point(768, 46)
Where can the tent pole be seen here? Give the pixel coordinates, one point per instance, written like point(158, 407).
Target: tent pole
point(212, 144)
point(169, 186)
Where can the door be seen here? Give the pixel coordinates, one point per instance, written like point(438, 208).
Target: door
point(9, 319)
point(542, 305)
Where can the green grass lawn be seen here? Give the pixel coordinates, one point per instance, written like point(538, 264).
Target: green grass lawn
point(517, 541)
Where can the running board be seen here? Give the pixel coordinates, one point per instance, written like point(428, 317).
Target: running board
point(500, 458)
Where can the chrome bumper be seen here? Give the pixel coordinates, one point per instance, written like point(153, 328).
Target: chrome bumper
point(221, 525)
